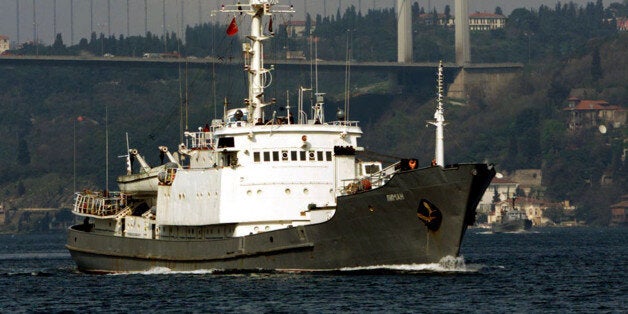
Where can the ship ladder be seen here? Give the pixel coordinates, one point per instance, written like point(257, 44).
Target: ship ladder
point(125, 212)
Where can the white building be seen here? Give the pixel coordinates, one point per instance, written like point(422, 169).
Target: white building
point(482, 21)
point(4, 43)
point(501, 188)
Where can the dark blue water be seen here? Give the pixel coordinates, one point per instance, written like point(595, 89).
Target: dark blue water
point(546, 270)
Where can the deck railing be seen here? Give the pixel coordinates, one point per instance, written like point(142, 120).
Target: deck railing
point(200, 140)
point(91, 203)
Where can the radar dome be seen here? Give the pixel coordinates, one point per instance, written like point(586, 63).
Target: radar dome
point(340, 114)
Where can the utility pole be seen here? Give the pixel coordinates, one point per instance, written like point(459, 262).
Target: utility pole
point(182, 20)
point(145, 18)
point(54, 19)
point(109, 18)
point(163, 15)
point(128, 21)
point(71, 22)
point(34, 23)
point(17, 13)
point(200, 13)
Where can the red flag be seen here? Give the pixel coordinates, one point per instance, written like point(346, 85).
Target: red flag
point(233, 28)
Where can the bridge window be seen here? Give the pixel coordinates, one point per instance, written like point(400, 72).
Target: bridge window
point(328, 155)
point(275, 156)
point(256, 157)
point(226, 142)
point(266, 156)
point(293, 155)
point(319, 156)
point(302, 156)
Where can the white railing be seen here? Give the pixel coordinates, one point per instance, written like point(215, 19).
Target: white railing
point(200, 140)
point(374, 181)
point(345, 123)
point(91, 203)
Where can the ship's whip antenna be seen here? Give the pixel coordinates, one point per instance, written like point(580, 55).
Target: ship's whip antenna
point(439, 121)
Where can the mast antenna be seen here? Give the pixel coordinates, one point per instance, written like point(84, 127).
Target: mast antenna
point(258, 75)
point(439, 121)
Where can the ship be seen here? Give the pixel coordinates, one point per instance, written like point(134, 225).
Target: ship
point(509, 219)
point(512, 221)
point(255, 191)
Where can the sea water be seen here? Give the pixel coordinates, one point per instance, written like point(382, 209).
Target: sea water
point(543, 270)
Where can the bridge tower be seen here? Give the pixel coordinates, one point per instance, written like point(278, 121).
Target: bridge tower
point(404, 31)
point(463, 44)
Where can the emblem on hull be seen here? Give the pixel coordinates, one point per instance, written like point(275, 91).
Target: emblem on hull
point(429, 214)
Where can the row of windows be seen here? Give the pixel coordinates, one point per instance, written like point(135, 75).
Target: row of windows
point(292, 155)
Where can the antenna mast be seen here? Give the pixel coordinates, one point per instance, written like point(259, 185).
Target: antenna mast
point(254, 50)
point(439, 121)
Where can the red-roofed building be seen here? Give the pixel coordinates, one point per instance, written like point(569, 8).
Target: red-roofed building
point(622, 24)
point(4, 43)
point(593, 113)
point(483, 21)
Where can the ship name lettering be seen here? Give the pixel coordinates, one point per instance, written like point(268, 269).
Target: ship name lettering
point(395, 197)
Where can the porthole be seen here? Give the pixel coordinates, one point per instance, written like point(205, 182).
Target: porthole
point(306, 191)
point(259, 192)
point(287, 191)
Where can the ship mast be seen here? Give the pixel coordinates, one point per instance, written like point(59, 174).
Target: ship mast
point(254, 51)
point(439, 121)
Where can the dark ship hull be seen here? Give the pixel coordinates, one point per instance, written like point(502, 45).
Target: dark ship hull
point(417, 217)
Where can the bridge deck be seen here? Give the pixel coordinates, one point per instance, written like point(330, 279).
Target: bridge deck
point(204, 62)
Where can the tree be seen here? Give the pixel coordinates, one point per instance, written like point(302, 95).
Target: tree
point(23, 155)
point(498, 11)
point(58, 48)
point(554, 213)
point(596, 65)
